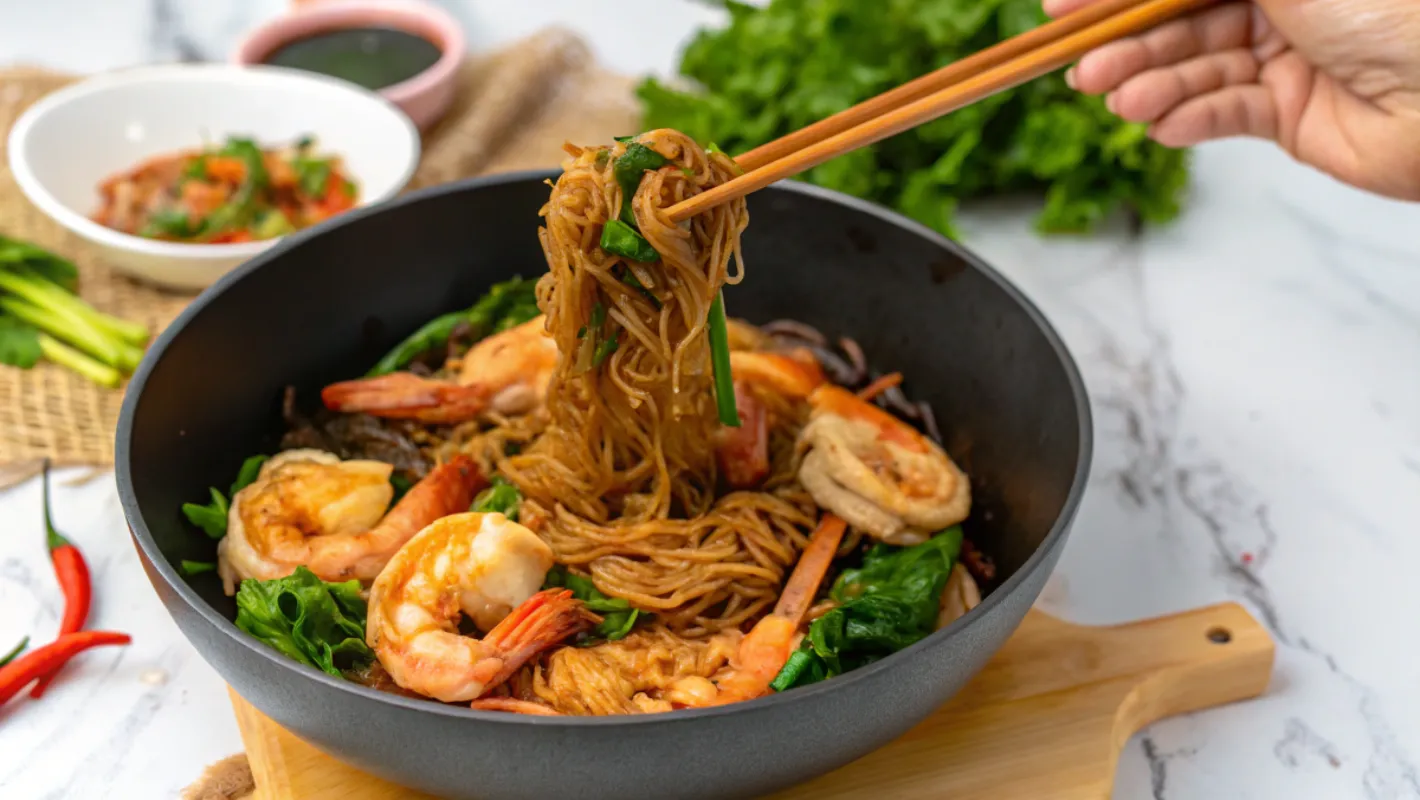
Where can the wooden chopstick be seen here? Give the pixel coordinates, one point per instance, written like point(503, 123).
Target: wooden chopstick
point(1040, 55)
point(932, 82)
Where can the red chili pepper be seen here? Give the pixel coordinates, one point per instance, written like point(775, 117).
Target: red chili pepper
point(48, 659)
point(73, 575)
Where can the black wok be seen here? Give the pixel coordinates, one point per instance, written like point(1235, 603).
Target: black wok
point(326, 303)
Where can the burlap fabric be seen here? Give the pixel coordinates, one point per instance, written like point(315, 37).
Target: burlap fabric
point(515, 109)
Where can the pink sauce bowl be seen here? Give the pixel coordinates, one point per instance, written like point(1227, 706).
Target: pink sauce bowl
point(424, 97)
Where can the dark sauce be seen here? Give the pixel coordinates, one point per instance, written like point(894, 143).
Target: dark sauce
point(371, 57)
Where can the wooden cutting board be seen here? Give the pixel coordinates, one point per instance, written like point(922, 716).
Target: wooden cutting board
point(1045, 718)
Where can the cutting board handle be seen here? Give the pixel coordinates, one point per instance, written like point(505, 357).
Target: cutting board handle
point(1046, 718)
point(1168, 665)
point(1049, 714)
point(1189, 661)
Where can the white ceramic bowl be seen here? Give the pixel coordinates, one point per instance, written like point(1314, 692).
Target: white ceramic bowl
point(63, 146)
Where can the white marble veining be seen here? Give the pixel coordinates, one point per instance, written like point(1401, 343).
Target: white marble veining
point(1255, 375)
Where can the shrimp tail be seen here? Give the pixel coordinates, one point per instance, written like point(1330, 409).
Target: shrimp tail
point(404, 395)
point(766, 648)
point(542, 621)
point(448, 489)
point(793, 374)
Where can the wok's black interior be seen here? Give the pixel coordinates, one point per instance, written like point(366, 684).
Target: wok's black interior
point(325, 307)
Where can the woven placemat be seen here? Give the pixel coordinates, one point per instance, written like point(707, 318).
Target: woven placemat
point(515, 109)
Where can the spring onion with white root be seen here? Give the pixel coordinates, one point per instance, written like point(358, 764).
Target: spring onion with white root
point(41, 317)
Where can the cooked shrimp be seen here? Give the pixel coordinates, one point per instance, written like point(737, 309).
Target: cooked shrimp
point(861, 462)
point(481, 565)
point(767, 647)
point(507, 373)
point(878, 472)
point(307, 507)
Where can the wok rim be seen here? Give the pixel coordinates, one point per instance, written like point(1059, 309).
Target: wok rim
point(159, 563)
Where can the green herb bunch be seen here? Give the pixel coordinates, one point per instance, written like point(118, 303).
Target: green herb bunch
point(776, 69)
point(42, 317)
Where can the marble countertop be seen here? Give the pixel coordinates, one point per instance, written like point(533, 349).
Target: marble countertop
point(1253, 372)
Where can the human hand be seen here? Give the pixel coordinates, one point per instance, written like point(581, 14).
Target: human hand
point(1334, 82)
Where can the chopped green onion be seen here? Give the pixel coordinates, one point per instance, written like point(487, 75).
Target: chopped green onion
point(197, 567)
point(604, 350)
point(798, 661)
point(720, 359)
point(66, 356)
point(14, 651)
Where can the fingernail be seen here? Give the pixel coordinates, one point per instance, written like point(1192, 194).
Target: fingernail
point(1070, 78)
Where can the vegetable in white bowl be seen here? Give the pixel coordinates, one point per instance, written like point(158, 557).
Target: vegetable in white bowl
point(64, 146)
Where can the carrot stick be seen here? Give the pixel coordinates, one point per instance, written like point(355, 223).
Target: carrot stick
point(808, 573)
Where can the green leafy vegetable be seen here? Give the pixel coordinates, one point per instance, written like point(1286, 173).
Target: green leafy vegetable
point(621, 239)
point(887, 604)
point(272, 223)
point(191, 568)
point(620, 236)
point(500, 496)
point(236, 212)
point(618, 617)
point(48, 266)
point(628, 170)
point(401, 485)
point(19, 343)
point(211, 517)
point(915, 574)
point(777, 68)
point(196, 169)
point(312, 175)
point(306, 619)
point(720, 361)
point(507, 304)
point(170, 222)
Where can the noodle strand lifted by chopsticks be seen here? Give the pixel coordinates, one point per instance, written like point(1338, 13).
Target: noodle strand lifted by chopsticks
point(621, 482)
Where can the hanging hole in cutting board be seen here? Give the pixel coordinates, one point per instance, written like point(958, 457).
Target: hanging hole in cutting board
point(1219, 635)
